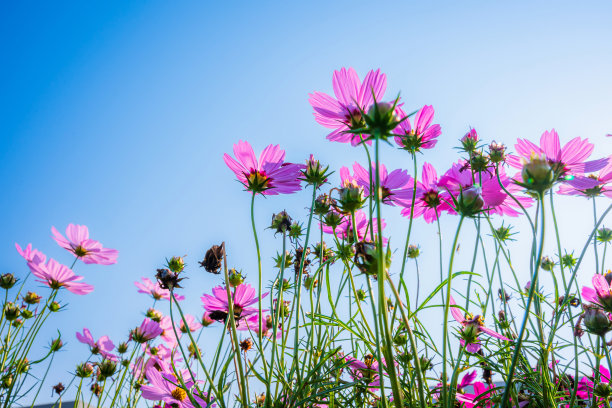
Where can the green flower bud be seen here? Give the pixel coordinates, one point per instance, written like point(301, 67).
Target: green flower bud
point(7, 281)
point(54, 306)
point(596, 321)
point(235, 278)
point(315, 173)
point(537, 175)
point(281, 222)
point(547, 264)
point(413, 251)
point(604, 235)
point(176, 264)
point(11, 311)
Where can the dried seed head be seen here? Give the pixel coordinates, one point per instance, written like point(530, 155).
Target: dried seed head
point(212, 259)
point(59, 388)
point(281, 222)
point(168, 279)
point(246, 345)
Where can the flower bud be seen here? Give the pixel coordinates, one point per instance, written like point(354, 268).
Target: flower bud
point(176, 264)
point(154, 315)
point(400, 339)
point(351, 197)
point(54, 306)
point(497, 152)
point(122, 347)
point(212, 259)
point(17, 323)
point(11, 311)
point(382, 118)
point(603, 390)
point(284, 286)
point(478, 161)
point(281, 222)
point(22, 366)
point(547, 264)
point(194, 351)
point(26, 313)
point(310, 282)
point(56, 344)
point(323, 204)
point(321, 249)
point(206, 320)
point(7, 281)
point(469, 141)
point(278, 260)
point(470, 201)
point(366, 258)
point(361, 295)
point(413, 251)
point(604, 235)
point(7, 381)
point(235, 278)
point(315, 173)
point(32, 298)
point(568, 260)
point(295, 231)
point(107, 369)
point(596, 320)
point(503, 233)
point(84, 370)
point(537, 174)
point(332, 219)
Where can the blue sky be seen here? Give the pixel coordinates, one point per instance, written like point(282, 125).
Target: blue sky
point(116, 115)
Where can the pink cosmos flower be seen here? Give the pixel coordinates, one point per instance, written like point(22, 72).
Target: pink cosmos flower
point(601, 294)
point(269, 175)
point(429, 201)
point(192, 324)
point(366, 370)
point(390, 183)
point(31, 255)
point(459, 177)
point(603, 187)
point(586, 385)
point(344, 231)
point(343, 112)
point(244, 295)
point(472, 326)
point(252, 323)
point(568, 162)
point(103, 346)
point(155, 290)
point(423, 135)
point(57, 276)
point(148, 330)
point(79, 244)
point(164, 386)
point(168, 334)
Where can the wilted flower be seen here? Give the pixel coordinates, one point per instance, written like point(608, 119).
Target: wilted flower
point(281, 222)
point(213, 258)
point(155, 290)
point(168, 279)
point(269, 175)
point(352, 97)
point(79, 244)
point(59, 388)
point(57, 276)
point(246, 344)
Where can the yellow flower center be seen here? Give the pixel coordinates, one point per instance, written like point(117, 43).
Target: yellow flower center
point(179, 394)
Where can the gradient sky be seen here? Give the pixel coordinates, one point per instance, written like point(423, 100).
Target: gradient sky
point(116, 115)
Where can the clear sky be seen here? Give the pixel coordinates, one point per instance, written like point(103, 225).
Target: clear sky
point(116, 115)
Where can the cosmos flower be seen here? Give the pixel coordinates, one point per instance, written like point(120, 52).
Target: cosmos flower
point(352, 97)
point(103, 346)
point(601, 294)
point(603, 187)
point(460, 178)
point(168, 334)
point(148, 330)
point(429, 200)
point(586, 385)
point(344, 231)
point(79, 244)
point(31, 255)
point(244, 295)
point(268, 175)
point(192, 324)
point(252, 323)
point(423, 135)
point(390, 183)
point(57, 276)
point(568, 162)
point(472, 327)
point(366, 370)
point(164, 386)
point(149, 287)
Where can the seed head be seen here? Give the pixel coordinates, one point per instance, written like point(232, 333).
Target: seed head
point(212, 259)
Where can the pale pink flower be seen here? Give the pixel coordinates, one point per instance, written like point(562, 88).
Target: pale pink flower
point(164, 386)
point(31, 255)
point(344, 231)
point(155, 290)
point(57, 276)
point(268, 175)
point(602, 292)
point(168, 334)
point(192, 324)
point(103, 346)
point(351, 98)
point(148, 330)
point(568, 162)
point(88, 250)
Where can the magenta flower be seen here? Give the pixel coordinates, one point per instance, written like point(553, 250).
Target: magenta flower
point(390, 183)
point(344, 231)
point(472, 327)
point(148, 330)
point(429, 201)
point(79, 244)
point(57, 276)
point(586, 385)
point(366, 370)
point(155, 290)
point(603, 187)
point(192, 324)
point(164, 386)
point(252, 323)
point(269, 175)
point(423, 135)
point(460, 178)
point(103, 346)
point(243, 296)
point(352, 97)
point(31, 255)
point(568, 162)
point(602, 294)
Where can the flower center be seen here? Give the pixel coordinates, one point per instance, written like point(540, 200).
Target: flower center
point(179, 394)
point(431, 198)
point(80, 251)
point(258, 181)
